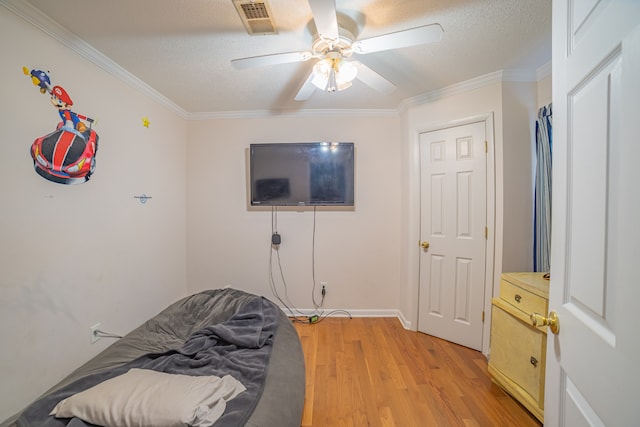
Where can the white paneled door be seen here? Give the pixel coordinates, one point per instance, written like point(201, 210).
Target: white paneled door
point(453, 198)
point(593, 363)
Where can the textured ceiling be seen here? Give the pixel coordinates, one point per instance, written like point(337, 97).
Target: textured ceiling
point(183, 49)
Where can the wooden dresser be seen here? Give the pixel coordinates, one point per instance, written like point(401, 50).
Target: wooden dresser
point(518, 349)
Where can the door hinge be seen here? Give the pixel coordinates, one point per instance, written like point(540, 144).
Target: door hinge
point(486, 146)
point(486, 233)
point(482, 316)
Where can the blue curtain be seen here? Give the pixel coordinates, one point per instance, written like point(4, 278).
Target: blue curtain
point(542, 219)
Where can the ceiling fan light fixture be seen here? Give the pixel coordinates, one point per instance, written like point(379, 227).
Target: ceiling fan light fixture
point(332, 85)
point(333, 74)
point(347, 70)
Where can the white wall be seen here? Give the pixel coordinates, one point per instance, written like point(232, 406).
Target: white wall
point(519, 116)
point(544, 91)
point(357, 251)
point(72, 256)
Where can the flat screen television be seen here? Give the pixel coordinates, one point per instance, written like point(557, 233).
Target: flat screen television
point(302, 174)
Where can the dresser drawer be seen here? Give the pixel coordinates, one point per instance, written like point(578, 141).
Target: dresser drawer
point(522, 299)
point(518, 352)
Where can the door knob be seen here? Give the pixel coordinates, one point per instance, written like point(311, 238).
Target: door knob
point(425, 245)
point(553, 322)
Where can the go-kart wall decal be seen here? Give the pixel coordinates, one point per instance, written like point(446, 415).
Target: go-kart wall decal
point(66, 155)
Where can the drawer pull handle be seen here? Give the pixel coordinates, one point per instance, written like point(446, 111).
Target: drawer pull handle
point(517, 298)
point(534, 362)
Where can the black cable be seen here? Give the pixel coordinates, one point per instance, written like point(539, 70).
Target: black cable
point(319, 315)
point(272, 285)
point(272, 282)
point(334, 312)
point(286, 288)
point(323, 316)
point(313, 265)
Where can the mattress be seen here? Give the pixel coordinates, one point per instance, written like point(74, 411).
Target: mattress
point(272, 346)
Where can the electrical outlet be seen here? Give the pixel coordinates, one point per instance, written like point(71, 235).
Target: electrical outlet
point(94, 333)
point(323, 288)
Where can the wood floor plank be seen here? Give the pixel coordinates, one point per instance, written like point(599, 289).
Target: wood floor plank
point(309, 342)
point(373, 372)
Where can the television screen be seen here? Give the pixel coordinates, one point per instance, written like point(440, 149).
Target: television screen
point(311, 173)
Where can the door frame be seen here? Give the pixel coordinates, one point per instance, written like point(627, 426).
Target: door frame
point(414, 223)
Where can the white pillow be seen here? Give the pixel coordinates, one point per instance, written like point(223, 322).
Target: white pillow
point(142, 397)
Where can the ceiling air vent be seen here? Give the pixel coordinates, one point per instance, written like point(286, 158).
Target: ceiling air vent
point(256, 17)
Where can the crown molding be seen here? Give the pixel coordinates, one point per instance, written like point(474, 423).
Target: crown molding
point(465, 86)
point(543, 71)
point(253, 114)
point(41, 21)
point(500, 76)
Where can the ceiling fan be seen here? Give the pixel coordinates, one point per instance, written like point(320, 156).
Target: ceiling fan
point(333, 46)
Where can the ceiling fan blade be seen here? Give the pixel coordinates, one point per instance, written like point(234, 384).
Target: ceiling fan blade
point(414, 36)
point(324, 15)
point(372, 79)
point(276, 58)
point(306, 90)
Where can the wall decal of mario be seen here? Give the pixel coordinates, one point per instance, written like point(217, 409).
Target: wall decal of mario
point(66, 155)
point(62, 101)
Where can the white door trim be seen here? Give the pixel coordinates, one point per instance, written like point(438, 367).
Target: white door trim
point(414, 226)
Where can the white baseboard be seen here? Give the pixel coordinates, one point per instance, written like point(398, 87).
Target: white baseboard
point(407, 324)
point(349, 313)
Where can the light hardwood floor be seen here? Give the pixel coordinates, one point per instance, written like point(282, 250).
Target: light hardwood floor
point(373, 372)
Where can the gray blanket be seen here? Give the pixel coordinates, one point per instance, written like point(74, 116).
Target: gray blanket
point(239, 346)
